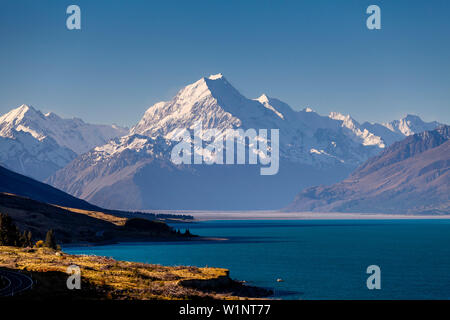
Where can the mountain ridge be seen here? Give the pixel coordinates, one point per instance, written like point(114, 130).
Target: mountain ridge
point(37, 144)
point(313, 148)
point(412, 176)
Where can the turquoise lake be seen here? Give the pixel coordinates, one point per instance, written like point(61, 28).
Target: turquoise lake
point(317, 259)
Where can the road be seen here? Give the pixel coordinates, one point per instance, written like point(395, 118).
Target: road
point(15, 282)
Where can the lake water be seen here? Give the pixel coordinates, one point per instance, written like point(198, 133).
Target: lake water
point(317, 259)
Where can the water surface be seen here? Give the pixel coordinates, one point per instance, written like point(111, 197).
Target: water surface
point(317, 259)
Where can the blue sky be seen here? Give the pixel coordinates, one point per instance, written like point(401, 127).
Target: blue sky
point(317, 53)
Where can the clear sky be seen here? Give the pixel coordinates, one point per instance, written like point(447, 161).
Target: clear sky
point(131, 54)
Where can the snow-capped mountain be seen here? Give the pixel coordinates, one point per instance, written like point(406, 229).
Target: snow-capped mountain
point(411, 124)
point(135, 171)
point(357, 132)
point(22, 153)
point(37, 144)
point(399, 129)
point(74, 133)
point(215, 103)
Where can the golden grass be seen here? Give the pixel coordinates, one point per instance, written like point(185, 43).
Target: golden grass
point(119, 221)
point(116, 279)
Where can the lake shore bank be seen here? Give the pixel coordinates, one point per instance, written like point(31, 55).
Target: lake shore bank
point(104, 278)
point(280, 215)
point(143, 241)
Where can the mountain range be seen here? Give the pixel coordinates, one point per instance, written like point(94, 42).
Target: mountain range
point(37, 144)
point(411, 176)
point(135, 171)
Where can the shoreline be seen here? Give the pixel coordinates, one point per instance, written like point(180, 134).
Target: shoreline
point(279, 215)
point(157, 240)
point(202, 216)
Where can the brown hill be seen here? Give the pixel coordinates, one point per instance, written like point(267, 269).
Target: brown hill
point(14, 183)
point(80, 226)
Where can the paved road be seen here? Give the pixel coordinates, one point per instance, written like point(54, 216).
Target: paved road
point(15, 282)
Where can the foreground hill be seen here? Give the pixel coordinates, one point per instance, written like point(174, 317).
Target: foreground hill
point(38, 207)
point(14, 183)
point(105, 278)
point(81, 226)
point(412, 176)
point(17, 184)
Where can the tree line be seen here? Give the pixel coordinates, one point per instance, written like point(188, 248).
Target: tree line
point(10, 235)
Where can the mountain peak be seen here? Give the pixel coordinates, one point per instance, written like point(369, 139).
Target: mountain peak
point(263, 98)
point(52, 115)
point(410, 124)
point(73, 134)
point(267, 102)
point(205, 85)
point(23, 107)
point(18, 114)
point(411, 116)
point(216, 76)
point(338, 116)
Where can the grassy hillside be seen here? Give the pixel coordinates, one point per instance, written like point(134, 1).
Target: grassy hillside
point(105, 278)
point(79, 225)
